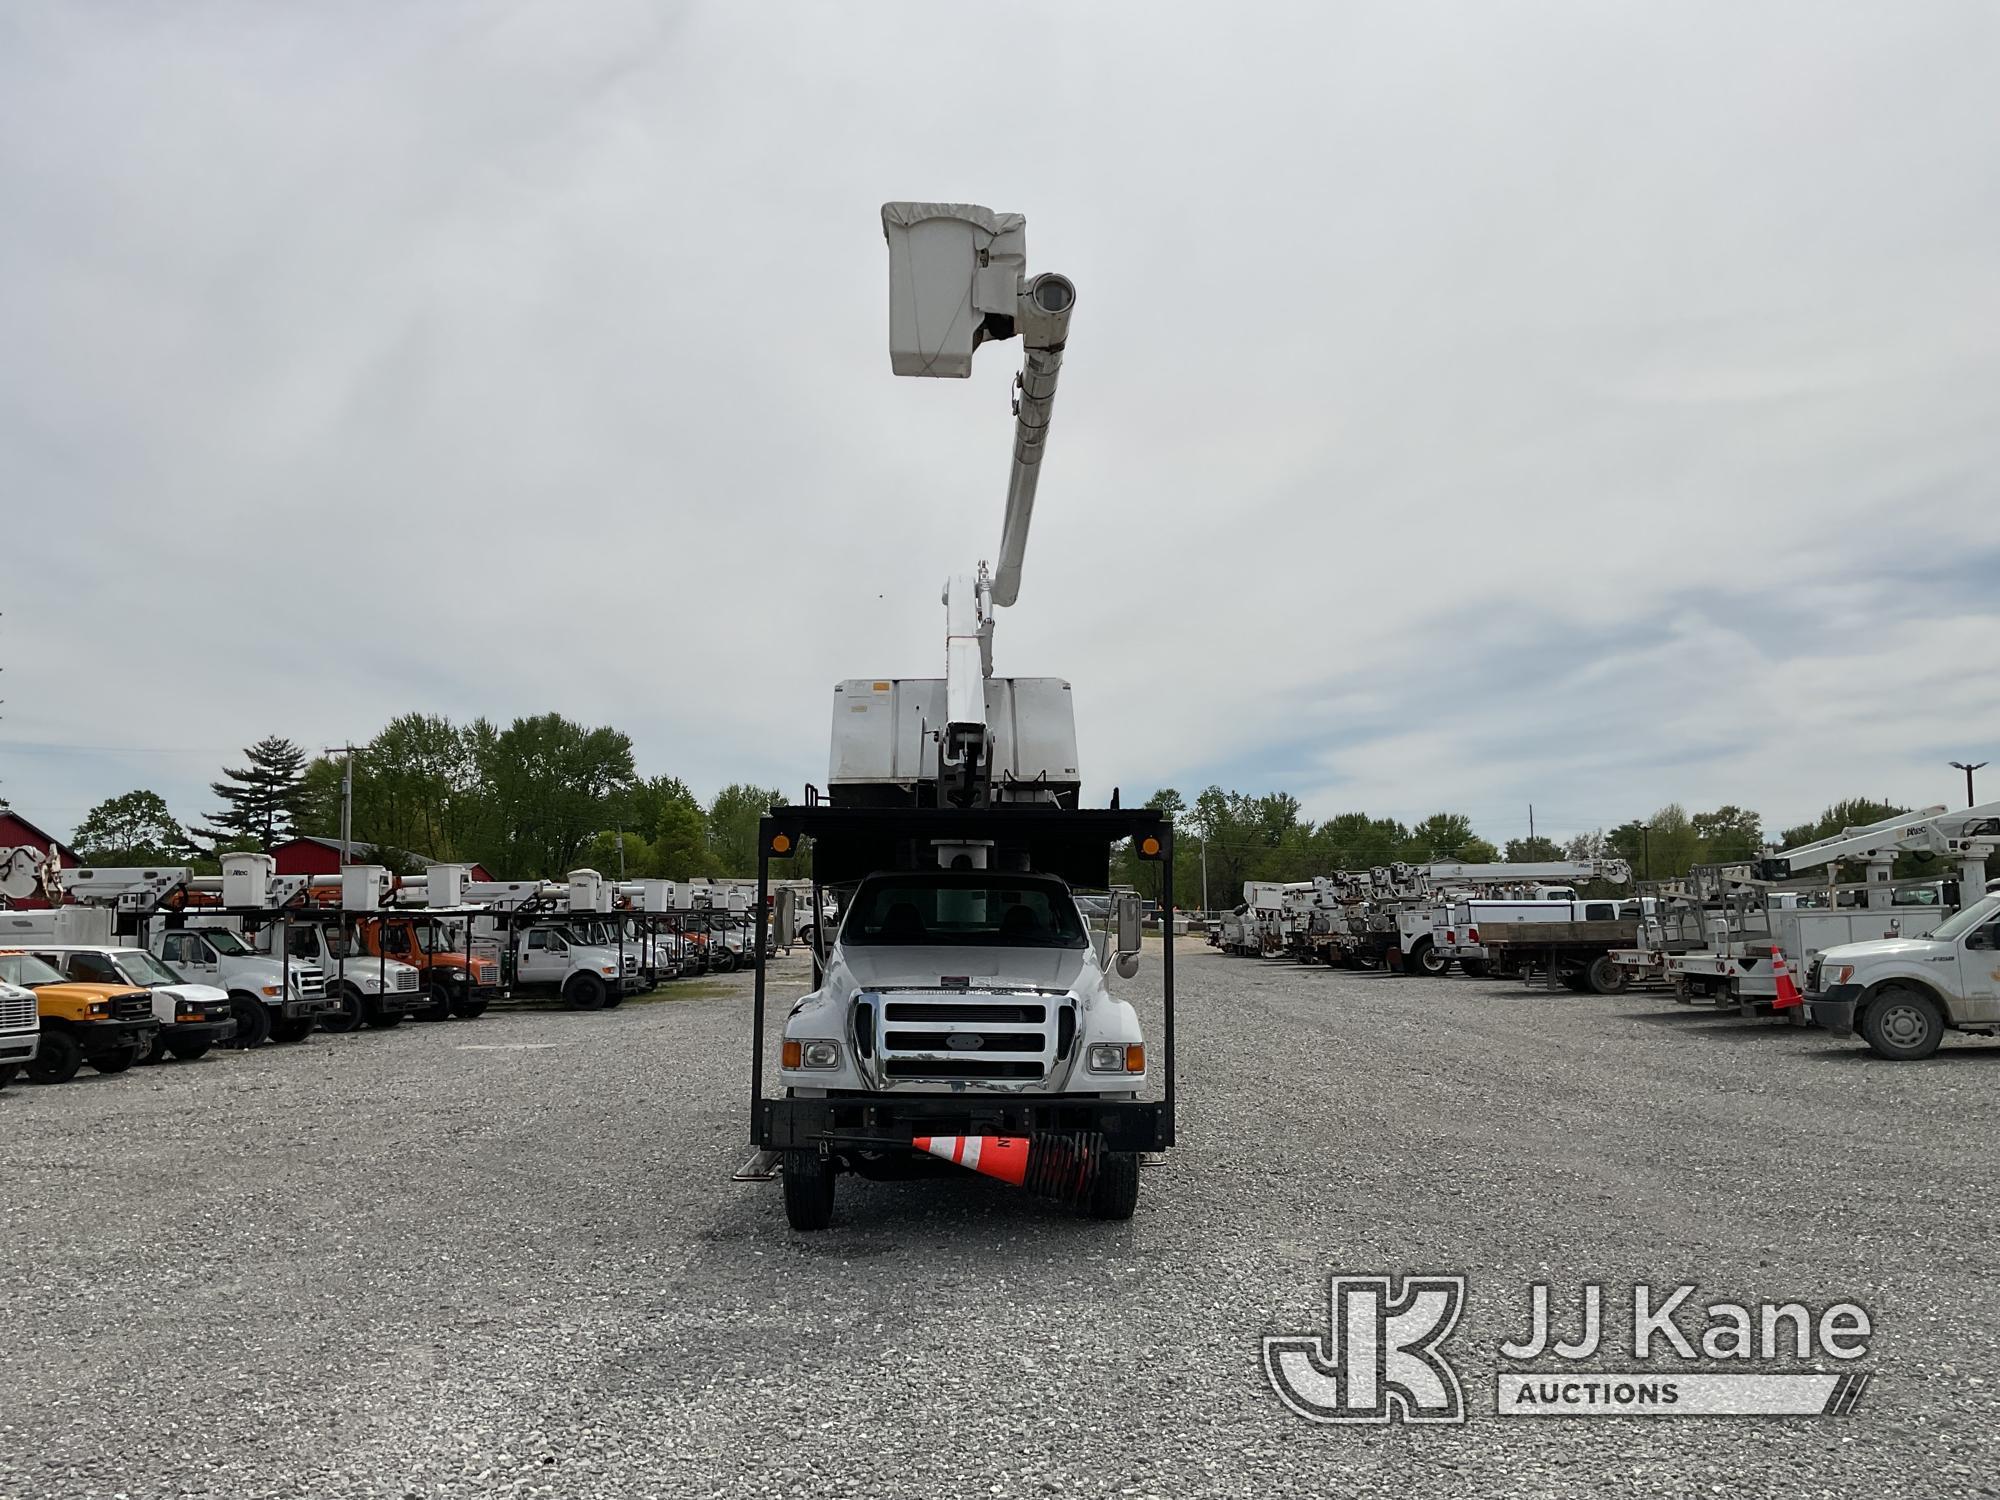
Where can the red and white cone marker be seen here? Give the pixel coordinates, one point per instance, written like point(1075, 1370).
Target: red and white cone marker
point(1001, 1156)
point(1788, 993)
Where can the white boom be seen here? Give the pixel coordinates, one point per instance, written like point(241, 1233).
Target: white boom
point(1452, 872)
point(957, 279)
point(1971, 835)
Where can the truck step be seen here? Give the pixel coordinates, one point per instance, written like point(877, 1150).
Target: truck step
point(763, 1167)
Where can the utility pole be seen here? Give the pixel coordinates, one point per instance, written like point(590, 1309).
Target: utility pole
point(1646, 843)
point(346, 800)
point(1978, 765)
point(1531, 822)
point(621, 854)
point(1204, 875)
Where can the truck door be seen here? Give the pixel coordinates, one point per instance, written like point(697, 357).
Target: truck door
point(1979, 971)
point(190, 957)
point(543, 956)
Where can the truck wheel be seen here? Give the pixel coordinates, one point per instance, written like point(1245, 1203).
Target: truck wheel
point(1605, 977)
point(1475, 968)
point(439, 1008)
point(116, 1062)
point(7, 1072)
point(1901, 1024)
point(1115, 1193)
point(295, 1030)
point(1426, 960)
point(584, 992)
point(346, 1013)
point(186, 1051)
point(58, 1059)
point(253, 1021)
point(613, 998)
point(468, 1010)
point(385, 1020)
point(725, 961)
point(808, 1190)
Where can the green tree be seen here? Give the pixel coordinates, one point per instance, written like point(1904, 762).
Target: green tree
point(620, 854)
point(546, 785)
point(1729, 835)
point(1437, 837)
point(1532, 850)
point(135, 829)
point(732, 826)
point(260, 801)
point(1479, 851)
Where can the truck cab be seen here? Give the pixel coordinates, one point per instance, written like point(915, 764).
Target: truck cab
point(270, 1001)
point(20, 1030)
point(193, 1017)
point(453, 980)
point(552, 958)
point(109, 1026)
point(1902, 994)
point(362, 988)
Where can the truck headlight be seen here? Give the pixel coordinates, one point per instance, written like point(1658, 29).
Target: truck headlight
point(271, 989)
point(1841, 973)
point(821, 1054)
point(1116, 1057)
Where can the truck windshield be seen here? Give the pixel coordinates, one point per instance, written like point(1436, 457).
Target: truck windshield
point(140, 967)
point(968, 908)
point(224, 941)
point(25, 968)
point(1954, 927)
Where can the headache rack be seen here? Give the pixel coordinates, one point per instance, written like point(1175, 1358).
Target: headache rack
point(1074, 845)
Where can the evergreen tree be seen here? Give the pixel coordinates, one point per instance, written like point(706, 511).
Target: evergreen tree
point(261, 801)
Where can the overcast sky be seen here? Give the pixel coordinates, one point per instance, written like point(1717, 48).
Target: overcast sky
point(1466, 405)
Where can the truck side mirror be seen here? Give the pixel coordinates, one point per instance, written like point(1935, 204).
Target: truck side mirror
point(1128, 919)
point(785, 926)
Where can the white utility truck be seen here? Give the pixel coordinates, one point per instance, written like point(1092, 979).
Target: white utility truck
point(963, 1012)
point(556, 940)
point(362, 988)
point(271, 998)
point(1427, 937)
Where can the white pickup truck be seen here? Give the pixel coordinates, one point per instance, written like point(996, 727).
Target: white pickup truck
point(192, 1017)
point(268, 1004)
point(1902, 994)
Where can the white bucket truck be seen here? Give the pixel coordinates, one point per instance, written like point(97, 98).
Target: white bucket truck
point(963, 1015)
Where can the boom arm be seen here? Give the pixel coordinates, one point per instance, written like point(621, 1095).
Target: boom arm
point(957, 279)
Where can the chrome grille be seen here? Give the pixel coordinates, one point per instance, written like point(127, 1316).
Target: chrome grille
point(406, 979)
point(18, 1014)
point(999, 1036)
point(131, 1007)
point(310, 983)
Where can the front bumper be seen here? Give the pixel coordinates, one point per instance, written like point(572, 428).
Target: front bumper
point(1834, 1009)
point(892, 1120)
point(299, 1008)
point(98, 1038)
point(18, 1047)
point(200, 1031)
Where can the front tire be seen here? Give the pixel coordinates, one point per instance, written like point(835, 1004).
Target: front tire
point(186, 1051)
point(468, 1010)
point(294, 1030)
point(347, 1012)
point(1428, 961)
point(1903, 1024)
point(1475, 968)
point(808, 1179)
point(584, 992)
point(253, 1021)
point(7, 1072)
point(1115, 1193)
point(439, 1007)
point(380, 1020)
point(58, 1059)
point(1605, 977)
point(119, 1061)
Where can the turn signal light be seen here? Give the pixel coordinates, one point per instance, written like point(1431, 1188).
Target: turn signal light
point(1135, 1058)
point(1149, 847)
point(781, 843)
point(790, 1055)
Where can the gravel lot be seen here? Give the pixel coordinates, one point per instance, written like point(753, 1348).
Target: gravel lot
point(505, 1257)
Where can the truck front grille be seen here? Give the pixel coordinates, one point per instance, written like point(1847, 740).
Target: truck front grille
point(952, 1034)
point(18, 1015)
point(309, 982)
point(407, 979)
point(131, 1007)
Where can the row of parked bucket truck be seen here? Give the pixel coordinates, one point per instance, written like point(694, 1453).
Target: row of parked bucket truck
point(1898, 961)
point(115, 966)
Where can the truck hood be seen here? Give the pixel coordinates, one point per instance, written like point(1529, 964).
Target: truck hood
point(916, 966)
point(1847, 953)
point(194, 994)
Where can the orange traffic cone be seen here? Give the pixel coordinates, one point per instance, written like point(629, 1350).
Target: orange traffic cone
point(1788, 993)
point(1001, 1156)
